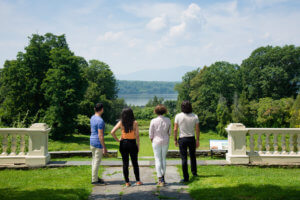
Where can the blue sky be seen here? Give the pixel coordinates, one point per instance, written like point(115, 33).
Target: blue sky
point(135, 35)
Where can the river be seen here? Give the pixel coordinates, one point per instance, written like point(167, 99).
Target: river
point(142, 99)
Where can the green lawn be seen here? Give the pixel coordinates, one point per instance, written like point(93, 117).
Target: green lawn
point(239, 182)
point(82, 142)
point(46, 183)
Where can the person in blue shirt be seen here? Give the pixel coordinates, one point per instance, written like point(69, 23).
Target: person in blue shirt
point(97, 144)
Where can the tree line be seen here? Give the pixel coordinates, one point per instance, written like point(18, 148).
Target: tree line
point(49, 83)
point(261, 92)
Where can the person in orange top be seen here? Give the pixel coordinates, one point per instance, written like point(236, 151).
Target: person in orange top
point(129, 144)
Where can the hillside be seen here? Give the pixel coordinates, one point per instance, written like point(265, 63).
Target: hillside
point(146, 87)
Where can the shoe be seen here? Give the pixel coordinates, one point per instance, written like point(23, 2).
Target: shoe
point(160, 183)
point(184, 181)
point(99, 182)
point(163, 180)
point(138, 183)
point(128, 184)
point(195, 175)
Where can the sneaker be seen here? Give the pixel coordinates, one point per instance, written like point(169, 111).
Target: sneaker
point(138, 183)
point(163, 180)
point(99, 182)
point(128, 184)
point(195, 175)
point(184, 181)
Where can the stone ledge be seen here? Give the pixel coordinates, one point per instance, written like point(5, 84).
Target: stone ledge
point(68, 154)
point(199, 153)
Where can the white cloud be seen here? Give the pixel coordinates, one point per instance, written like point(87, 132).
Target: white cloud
point(157, 23)
point(110, 36)
point(177, 30)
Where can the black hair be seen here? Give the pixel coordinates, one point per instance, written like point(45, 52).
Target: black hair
point(98, 107)
point(127, 119)
point(186, 107)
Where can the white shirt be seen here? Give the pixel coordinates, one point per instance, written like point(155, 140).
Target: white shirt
point(160, 130)
point(186, 123)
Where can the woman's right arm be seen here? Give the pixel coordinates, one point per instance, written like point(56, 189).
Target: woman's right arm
point(114, 130)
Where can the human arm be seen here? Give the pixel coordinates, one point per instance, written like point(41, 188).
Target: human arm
point(175, 134)
point(114, 130)
point(197, 135)
point(137, 134)
point(101, 138)
point(151, 131)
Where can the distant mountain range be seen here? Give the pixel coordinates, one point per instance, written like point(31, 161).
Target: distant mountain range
point(170, 74)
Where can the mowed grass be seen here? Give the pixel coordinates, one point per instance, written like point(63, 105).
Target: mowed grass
point(82, 142)
point(46, 183)
point(240, 182)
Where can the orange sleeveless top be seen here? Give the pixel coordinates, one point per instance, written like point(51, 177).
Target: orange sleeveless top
point(130, 135)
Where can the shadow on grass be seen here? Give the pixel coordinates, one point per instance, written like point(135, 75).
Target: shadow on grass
point(246, 191)
point(59, 194)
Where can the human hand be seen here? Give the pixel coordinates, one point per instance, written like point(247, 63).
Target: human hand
point(104, 150)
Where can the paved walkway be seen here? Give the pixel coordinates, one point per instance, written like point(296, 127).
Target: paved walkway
point(149, 191)
point(142, 163)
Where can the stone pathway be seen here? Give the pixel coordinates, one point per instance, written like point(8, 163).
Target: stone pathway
point(149, 191)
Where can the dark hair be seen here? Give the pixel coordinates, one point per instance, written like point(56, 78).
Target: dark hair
point(127, 119)
point(98, 107)
point(160, 109)
point(186, 107)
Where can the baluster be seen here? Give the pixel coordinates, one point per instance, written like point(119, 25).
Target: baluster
point(13, 145)
point(275, 144)
point(259, 144)
point(283, 144)
point(4, 145)
point(298, 146)
point(251, 143)
point(268, 143)
point(22, 145)
point(291, 145)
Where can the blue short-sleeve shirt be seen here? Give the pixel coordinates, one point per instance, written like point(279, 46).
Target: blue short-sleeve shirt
point(96, 123)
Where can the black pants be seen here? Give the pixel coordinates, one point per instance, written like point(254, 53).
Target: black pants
point(184, 144)
point(129, 147)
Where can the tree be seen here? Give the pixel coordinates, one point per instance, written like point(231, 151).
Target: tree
point(184, 88)
point(63, 88)
point(102, 87)
point(272, 72)
point(171, 106)
point(295, 113)
point(221, 78)
point(21, 79)
point(155, 101)
point(223, 116)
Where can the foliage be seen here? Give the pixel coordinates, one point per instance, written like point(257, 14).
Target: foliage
point(295, 113)
point(83, 124)
point(143, 113)
point(146, 87)
point(221, 78)
point(223, 116)
point(274, 113)
point(64, 87)
point(184, 88)
point(171, 106)
point(272, 72)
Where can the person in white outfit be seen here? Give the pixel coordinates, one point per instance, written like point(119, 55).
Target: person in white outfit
point(159, 133)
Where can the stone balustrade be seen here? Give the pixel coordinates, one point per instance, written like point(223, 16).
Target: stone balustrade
point(265, 145)
point(17, 151)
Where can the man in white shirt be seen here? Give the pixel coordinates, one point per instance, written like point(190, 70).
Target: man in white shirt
point(188, 123)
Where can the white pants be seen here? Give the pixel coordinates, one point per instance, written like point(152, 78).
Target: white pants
point(160, 154)
point(96, 159)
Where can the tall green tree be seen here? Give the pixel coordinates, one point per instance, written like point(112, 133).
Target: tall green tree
point(272, 72)
point(295, 113)
point(21, 79)
point(102, 87)
point(223, 116)
point(221, 78)
point(64, 87)
point(184, 88)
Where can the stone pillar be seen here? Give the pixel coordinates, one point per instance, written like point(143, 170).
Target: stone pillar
point(38, 145)
point(237, 144)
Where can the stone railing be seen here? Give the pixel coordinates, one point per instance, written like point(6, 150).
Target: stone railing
point(17, 151)
point(265, 145)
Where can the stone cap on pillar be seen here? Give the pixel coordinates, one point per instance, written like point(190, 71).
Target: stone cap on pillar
point(40, 126)
point(235, 126)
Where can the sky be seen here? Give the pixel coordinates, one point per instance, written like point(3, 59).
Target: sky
point(136, 35)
